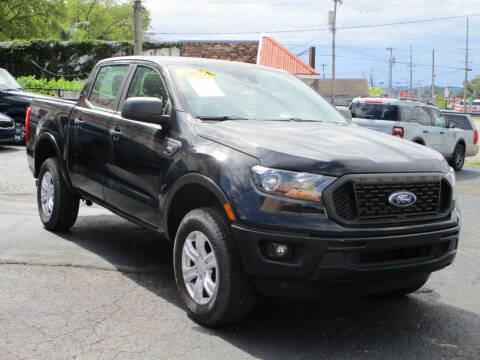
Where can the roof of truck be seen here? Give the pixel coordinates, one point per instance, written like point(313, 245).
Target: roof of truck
point(183, 60)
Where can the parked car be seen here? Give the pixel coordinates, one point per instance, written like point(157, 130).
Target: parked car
point(474, 108)
point(14, 102)
point(260, 183)
point(7, 129)
point(465, 122)
point(414, 121)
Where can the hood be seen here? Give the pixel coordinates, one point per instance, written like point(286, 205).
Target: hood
point(323, 148)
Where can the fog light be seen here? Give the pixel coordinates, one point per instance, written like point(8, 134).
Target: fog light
point(278, 251)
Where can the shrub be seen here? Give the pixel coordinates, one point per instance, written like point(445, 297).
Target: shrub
point(50, 87)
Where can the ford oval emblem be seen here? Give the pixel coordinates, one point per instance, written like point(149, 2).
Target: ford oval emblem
point(402, 199)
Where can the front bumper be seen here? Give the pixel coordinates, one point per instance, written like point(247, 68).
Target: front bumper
point(345, 264)
point(7, 135)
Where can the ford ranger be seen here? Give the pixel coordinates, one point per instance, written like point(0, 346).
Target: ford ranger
point(261, 185)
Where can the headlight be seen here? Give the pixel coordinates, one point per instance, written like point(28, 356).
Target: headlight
point(303, 186)
point(451, 177)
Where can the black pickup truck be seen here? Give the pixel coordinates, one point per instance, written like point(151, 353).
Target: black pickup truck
point(262, 186)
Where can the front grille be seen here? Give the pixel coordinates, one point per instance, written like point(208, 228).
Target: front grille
point(356, 201)
point(372, 199)
point(6, 124)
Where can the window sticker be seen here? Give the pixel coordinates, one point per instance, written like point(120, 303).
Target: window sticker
point(199, 74)
point(205, 87)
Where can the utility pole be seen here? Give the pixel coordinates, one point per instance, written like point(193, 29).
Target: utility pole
point(332, 22)
point(433, 76)
point(371, 78)
point(466, 74)
point(391, 62)
point(411, 73)
point(138, 28)
point(323, 70)
point(419, 91)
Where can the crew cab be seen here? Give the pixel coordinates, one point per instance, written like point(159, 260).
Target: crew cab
point(414, 121)
point(261, 185)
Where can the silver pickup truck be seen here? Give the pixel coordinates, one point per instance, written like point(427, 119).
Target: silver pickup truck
point(414, 121)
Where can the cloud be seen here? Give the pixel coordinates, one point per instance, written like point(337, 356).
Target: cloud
point(448, 36)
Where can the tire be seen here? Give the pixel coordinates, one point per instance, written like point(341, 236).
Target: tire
point(20, 134)
point(233, 296)
point(57, 205)
point(458, 158)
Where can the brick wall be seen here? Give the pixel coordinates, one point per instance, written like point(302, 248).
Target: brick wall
point(244, 51)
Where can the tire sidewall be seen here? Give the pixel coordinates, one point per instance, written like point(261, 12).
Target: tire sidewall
point(196, 221)
point(459, 148)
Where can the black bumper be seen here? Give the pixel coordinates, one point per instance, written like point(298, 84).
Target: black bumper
point(344, 265)
point(7, 136)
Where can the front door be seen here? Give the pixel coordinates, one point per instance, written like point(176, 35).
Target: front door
point(137, 161)
point(88, 139)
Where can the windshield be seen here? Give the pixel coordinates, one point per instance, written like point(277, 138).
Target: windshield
point(7, 81)
point(224, 92)
point(375, 111)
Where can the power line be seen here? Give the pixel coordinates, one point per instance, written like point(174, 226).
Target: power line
point(323, 29)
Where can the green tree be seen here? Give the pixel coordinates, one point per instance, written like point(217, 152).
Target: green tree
point(100, 20)
point(30, 19)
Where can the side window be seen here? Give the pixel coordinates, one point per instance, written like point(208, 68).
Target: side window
point(406, 113)
point(421, 116)
point(437, 118)
point(147, 83)
point(107, 85)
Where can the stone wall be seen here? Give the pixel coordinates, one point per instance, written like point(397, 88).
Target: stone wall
point(244, 51)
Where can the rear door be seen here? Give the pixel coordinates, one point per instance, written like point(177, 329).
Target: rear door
point(88, 139)
point(421, 115)
point(137, 162)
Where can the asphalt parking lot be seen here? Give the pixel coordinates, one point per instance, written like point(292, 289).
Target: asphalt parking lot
point(105, 290)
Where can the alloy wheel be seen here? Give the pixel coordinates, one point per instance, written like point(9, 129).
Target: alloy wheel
point(47, 194)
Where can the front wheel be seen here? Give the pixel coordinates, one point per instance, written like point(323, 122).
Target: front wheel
point(57, 205)
point(458, 157)
point(208, 271)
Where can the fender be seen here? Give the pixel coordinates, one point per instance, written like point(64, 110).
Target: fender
point(189, 179)
point(48, 137)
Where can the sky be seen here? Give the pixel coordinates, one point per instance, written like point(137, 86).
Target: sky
point(360, 52)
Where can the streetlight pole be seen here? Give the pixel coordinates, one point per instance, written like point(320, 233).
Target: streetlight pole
point(138, 29)
point(333, 23)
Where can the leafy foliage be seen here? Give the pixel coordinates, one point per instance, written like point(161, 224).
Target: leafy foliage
point(49, 87)
point(76, 20)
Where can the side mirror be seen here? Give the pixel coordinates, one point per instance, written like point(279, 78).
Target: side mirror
point(147, 109)
point(450, 125)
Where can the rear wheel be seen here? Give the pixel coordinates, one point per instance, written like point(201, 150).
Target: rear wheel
point(458, 157)
point(57, 205)
point(208, 271)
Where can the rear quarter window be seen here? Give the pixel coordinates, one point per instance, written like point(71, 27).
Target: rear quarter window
point(375, 111)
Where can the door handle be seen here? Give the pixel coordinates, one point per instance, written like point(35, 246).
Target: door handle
point(78, 121)
point(441, 132)
point(115, 134)
point(425, 131)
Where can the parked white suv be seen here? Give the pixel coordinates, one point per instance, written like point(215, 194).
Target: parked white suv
point(414, 121)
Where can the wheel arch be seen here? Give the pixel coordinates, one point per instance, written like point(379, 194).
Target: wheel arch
point(419, 140)
point(187, 193)
point(46, 146)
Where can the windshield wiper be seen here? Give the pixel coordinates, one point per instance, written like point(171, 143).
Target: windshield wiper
point(300, 119)
point(221, 118)
point(13, 89)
